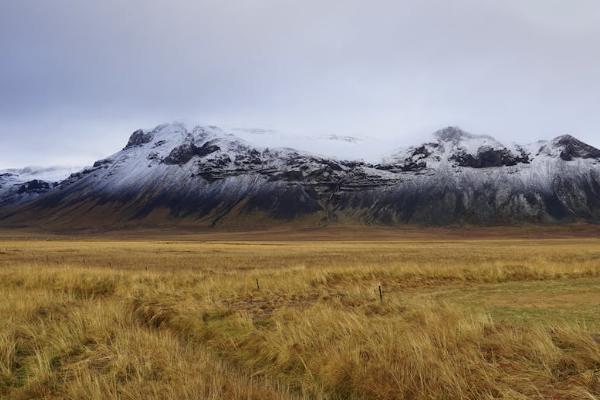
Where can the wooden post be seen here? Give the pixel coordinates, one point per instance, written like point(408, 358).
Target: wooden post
point(380, 294)
point(257, 285)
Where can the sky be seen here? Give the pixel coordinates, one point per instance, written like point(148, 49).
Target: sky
point(78, 76)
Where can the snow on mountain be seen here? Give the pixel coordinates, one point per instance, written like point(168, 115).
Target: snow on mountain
point(452, 145)
point(208, 176)
point(337, 145)
point(24, 184)
point(48, 174)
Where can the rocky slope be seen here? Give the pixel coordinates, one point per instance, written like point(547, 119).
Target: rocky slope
point(25, 184)
point(204, 176)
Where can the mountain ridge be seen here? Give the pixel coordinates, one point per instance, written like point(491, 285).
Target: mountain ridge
point(207, 176)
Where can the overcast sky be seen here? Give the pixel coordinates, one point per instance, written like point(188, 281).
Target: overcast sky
point(78, 76)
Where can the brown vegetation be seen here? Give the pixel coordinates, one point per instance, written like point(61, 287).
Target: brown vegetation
point(177, 319)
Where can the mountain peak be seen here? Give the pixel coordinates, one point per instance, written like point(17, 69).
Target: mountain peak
point(564, 139)
point(452, 134)
point(571, 147)
point(457, 136)
point(138, 138)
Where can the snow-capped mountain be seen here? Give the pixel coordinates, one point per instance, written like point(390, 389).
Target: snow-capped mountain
point(205, 176)
point(20, 185)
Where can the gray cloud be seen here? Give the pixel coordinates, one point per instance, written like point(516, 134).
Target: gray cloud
point(77, 75)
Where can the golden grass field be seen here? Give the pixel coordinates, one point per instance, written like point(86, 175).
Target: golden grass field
point(258, 316)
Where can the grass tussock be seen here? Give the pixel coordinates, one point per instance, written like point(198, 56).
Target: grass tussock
point(457, 320)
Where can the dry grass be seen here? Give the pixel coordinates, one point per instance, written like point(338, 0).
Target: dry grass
point(184, 319)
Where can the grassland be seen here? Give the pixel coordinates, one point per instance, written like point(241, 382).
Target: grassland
point(259, 317)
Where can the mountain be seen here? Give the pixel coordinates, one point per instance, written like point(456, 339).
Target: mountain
point(172, 175)
point(25, 184)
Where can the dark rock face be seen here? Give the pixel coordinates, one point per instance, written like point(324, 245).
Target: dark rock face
point(416, 161)
point(182, 154)
point(488, 157)
point(413, 166)
point(292, 176)
point(4, 177)
point(34, 186)
point(573, 148)
point(102, 163)
point(138, 138)
point(451, 134)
